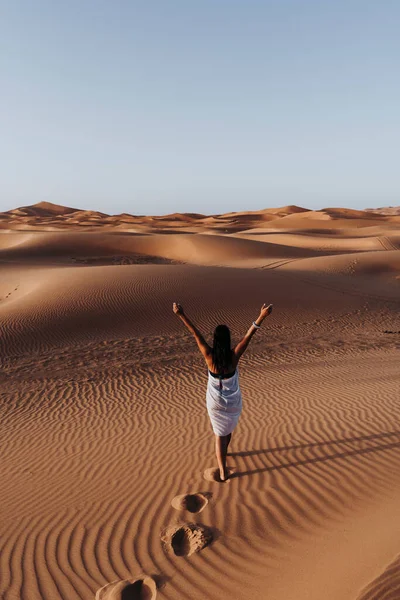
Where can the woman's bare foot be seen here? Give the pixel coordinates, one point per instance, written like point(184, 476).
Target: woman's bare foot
point(214, 474)
point(223, 474)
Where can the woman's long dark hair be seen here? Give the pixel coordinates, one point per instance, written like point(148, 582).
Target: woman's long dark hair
point(221, 351)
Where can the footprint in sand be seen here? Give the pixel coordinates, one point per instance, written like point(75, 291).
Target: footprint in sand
point(212, 474)
point(185, 540)
point(144, 588)
point(194, 503)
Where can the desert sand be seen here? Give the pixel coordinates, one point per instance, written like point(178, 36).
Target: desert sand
point(107, 454)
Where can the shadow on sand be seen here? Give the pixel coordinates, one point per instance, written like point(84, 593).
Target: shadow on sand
point(311, 460)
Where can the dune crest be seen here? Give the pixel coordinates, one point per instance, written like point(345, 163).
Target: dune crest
point(53, 217)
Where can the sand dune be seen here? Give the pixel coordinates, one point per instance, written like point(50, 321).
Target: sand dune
point(366, 263)
point(326, 243)
point(48, 216)
point(195, 249)
point(323, 221)
point(42, 209)
point(388, 210)
point(109, 485)
point(386, 585)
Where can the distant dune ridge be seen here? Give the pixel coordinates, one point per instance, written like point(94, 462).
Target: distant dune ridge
point(53, 216)
point(388, 210)
point(107, 459)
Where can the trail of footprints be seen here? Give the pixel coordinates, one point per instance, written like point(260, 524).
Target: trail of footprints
point(9, 293)
point(183, 540)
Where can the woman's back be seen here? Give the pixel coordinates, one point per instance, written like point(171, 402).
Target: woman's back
point(222, 358)
point(224, 370)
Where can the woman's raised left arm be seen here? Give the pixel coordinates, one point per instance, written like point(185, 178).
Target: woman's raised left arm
point(202, 344)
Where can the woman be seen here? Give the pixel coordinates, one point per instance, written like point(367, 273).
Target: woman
point(224, 400)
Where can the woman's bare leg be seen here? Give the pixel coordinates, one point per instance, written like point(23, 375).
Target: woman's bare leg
point(228, 437)
point(221, 446)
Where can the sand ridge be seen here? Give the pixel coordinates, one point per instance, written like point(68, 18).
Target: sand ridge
point(108, 468)
point(47, 215)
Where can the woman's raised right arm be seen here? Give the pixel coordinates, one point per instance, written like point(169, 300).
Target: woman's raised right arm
point(201, 343)
point(242, 345)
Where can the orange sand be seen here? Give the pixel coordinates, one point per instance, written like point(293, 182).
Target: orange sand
point(104, 435)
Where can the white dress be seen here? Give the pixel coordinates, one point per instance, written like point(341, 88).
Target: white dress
point(224, 403)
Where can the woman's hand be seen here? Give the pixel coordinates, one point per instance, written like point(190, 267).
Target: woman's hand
point(265, 310)
point(177, 308)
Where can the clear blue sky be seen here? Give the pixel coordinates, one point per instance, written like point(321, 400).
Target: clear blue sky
point(199, 105)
